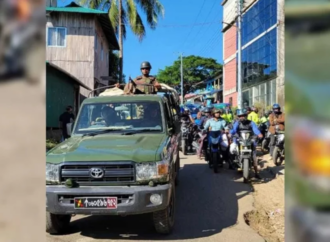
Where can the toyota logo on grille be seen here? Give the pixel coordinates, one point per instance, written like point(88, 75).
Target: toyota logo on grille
point(96, 173)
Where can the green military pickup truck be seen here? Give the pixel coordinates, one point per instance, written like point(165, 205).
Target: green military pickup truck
point(116, 164)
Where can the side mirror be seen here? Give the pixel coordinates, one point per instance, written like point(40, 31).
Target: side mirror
point(171, 130)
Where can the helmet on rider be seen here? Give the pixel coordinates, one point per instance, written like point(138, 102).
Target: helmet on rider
point(216, 113)
point(242, 115)
point(276, 108)
point(248, 110)
point(207, 110)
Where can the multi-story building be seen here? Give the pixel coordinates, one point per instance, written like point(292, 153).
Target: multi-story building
point(262, 41)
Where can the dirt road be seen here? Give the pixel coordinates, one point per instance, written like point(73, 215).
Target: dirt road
point(210, 207)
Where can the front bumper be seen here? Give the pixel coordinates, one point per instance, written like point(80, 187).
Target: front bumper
point(131, 200)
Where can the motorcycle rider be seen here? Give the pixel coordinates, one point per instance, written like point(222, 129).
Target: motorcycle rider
point(186, 118)
point(215, 124)
point(252, 115)
point(276, 118)
point(245, 124)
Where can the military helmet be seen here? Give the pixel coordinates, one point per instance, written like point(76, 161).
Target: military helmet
point(145, 64)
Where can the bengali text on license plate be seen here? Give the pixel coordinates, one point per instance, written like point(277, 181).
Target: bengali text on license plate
point(97, 202)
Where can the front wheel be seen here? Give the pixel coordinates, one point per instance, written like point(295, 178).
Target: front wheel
point(164, 220)
point(57, 224)
point(215, 160)
point(277, 158)
point(184, 147)
point(246, 170)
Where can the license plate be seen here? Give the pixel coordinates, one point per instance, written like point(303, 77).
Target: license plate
point(95, 203)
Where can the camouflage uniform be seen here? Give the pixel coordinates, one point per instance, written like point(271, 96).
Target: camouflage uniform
point(145, 80)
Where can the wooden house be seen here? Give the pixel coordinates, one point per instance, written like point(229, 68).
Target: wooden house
point(79, 40)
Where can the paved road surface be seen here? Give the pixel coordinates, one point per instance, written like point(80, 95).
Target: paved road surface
point(210, 207)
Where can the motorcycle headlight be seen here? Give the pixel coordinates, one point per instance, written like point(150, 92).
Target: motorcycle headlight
point(280, 137)
point(214, 141)
point(245, 135)
point(152, 170)
point(52, 173)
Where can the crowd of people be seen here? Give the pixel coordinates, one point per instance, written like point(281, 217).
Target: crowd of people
point(229, 123)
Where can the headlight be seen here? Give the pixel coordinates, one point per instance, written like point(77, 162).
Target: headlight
point(245, 135)
point(152, 170)
point(214, 140)
point(52, 173)
point(280, 137)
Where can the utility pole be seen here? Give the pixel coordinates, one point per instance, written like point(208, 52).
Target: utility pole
point(239, 55)
point(181, 81)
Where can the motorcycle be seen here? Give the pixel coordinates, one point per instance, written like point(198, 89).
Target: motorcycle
point(279, 150)
point(185, 138)
point(214, 150)
point(243, 153)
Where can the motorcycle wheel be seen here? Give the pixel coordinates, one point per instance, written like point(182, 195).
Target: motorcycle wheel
point(215, 159)
point(184, 147)
point(277, 158)
point(246, 170)
point(263, 145)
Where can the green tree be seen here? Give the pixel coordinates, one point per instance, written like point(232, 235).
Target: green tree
point(125, 12)
point(195, 69)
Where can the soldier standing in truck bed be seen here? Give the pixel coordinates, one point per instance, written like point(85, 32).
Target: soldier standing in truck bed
point(139, 81)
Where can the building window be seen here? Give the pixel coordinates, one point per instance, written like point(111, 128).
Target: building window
point(260, 17)
point(56, 36)
point(259, 60)
point(102, 52)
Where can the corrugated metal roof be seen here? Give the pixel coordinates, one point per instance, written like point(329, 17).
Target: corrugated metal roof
point(75, 10)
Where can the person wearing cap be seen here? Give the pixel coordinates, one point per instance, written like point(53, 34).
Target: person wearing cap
point(64, 119)
point(245, 124)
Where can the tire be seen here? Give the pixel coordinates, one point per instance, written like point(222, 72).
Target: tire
point(246, 170)
point(184, 147)
point(57, 224)
point(177, 167)
point(215, 159)
point(263, 145)
point(164, 219)
point(277, 159)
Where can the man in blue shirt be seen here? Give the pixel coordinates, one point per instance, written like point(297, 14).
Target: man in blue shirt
point(215, 124)
point(244, 124)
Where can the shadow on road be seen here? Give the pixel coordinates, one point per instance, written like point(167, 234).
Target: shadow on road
point(206, 204)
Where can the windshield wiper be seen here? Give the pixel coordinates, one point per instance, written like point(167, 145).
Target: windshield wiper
point(101, 132)
point(138, 131)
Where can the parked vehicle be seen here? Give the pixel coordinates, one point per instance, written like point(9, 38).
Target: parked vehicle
point(121, 166)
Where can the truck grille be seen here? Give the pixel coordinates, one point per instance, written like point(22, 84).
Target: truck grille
point(123, 172)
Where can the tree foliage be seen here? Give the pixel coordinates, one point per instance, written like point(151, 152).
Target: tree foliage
point(130, 16)
point(195, 69)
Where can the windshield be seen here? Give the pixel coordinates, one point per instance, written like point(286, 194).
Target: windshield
point(120, 116)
